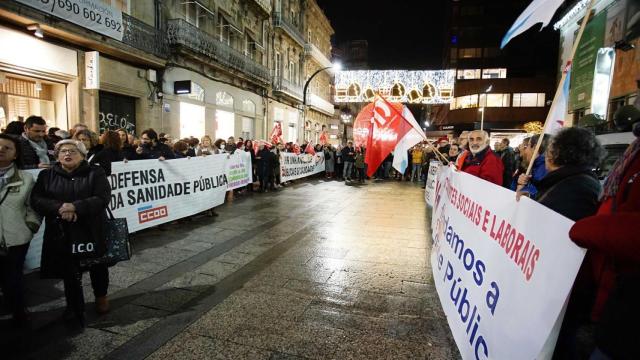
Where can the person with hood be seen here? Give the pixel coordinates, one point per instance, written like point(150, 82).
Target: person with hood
point(73, 197)
point(481, 161)
point(611, 238)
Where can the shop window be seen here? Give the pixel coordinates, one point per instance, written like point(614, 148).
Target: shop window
point(529, 100)
point(292, 134)
point(191, 120)
point(224, 99)
point(494, 100)
point(468, 74)
point(247, 127)
point(494, 73)
point(225, 124)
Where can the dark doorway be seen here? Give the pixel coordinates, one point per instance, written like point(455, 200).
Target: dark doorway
point(117, 111)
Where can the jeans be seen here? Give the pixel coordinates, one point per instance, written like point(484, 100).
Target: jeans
point(73, 286)
point(12, 280)
point(417, 170)
point(348, 169)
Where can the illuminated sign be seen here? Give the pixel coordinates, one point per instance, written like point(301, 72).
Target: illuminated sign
point(419, 87)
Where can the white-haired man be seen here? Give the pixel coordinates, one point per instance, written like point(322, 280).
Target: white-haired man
point(481, 161)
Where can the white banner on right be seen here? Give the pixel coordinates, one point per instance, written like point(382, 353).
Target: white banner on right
point(503, 269)
point(294, 166)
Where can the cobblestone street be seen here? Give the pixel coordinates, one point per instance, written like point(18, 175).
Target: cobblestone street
point(316, 270)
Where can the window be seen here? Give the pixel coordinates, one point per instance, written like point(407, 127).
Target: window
point(465, 102)
point(529, 100)
point(225, 124)
point(191, 120)
point(491, 52)
point(309, 36)
point(468, 74)
point(494, 73)
point(454, 53)
point(265, 33)
point(292, 72)
point(248, 106)
point(495, 100)
point(247, 127)
point(467, 53)
point(224, 99)
point(278, 64)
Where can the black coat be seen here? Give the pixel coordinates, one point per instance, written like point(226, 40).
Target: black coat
point(155, 152)
point(104, 158)
point(265, 160)
point(128, 152)
point(345, 154)
point(28, 156)
point(570, 191)
point(88, 190)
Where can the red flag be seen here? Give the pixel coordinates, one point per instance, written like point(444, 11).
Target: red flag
point(387, 128)
point(323, 138)
point(309, 149)
point(362, 126)
point(276, 133)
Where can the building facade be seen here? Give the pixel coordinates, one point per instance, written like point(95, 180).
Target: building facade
point(495, 89)
point(187, 68)
point(613, 31)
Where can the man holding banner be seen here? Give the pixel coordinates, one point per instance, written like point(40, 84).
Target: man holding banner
point(482, 162)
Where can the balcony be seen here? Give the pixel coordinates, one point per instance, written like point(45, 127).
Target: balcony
point(320, 104)
point(294, 32)
point(265, 5)
point(285, 87)
point(181, 33)
point(144, 37)
point(317, 55)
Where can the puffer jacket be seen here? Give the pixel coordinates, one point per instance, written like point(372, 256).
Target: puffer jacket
point(88, 190)
point(18, 221)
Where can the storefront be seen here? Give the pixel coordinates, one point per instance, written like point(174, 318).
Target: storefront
point(289, 118)
point(38, 79)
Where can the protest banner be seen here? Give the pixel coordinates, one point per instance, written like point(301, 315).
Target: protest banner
point(503, 269)
point(238, 169)
point(151, 192)
point(432, 177)
point(294, 166)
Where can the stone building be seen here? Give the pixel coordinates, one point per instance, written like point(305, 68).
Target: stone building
point(187, 68)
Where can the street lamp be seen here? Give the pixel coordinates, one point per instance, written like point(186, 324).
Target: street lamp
point(482, 108)
point(335, 66)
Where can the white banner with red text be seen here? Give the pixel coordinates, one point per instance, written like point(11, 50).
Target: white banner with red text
point(151, 192)
point(503, 269)
point(294, 166)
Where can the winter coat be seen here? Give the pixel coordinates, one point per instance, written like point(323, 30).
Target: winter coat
point(265, 160)
point(485, 165)
point(128, 152)
point(509, 162)
point(28, 156)
point(329, 158)
point(538, 171)
point(348, 154)
point(104, 158)
point(18, 221)
point(416, 157)
point(611, 236)
point(570, 191)
point(359, 163)
point(155, 152)
point(88, 190)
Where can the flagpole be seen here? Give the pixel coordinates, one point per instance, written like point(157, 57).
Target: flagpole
point(548, 121)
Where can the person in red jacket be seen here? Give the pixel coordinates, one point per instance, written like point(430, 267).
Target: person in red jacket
point(482, 162)
point(613, 241)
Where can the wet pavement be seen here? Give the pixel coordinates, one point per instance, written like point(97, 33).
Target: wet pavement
point(315, 270)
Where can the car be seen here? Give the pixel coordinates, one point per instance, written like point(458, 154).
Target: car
point(615, 144)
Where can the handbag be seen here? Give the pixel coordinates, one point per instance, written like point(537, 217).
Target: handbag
point(117, 239)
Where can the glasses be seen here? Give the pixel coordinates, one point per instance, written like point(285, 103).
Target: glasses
point(68, 151)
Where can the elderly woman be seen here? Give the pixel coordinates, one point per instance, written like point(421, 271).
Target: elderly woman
point(73, 196)
point(206, 147)
point(18, 223)
point(572, 189)
point(90, 141)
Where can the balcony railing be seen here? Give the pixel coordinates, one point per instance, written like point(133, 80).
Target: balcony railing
point(283, 85)
point(180, 32)
point(264, 5)
point(144, 37)
point(317, 55)
point(282, 22)
point(321, 104)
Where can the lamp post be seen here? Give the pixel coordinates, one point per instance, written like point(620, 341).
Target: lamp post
point(482, 108)
point(336, 67)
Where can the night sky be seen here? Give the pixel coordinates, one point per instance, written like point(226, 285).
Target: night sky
point(402, 34)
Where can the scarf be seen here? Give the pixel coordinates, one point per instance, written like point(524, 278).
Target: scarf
point(5, 174)
point(40, 148)
point(614, 179)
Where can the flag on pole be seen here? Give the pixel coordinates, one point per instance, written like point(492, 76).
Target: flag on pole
point(539, 11)
point(362, 126)
point(324, 138)
point(559, 108)
point(414, 136)
point(388, 126)
point(309, 149)
point(276, 133)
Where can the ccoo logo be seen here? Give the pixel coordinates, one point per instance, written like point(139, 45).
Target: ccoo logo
point(149, 213)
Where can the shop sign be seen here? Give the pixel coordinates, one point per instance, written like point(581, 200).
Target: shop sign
point(583, 69)
point(90, 14)
point(92, 70)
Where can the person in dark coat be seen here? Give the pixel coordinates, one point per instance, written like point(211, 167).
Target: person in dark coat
point(151, 148)
point(572, 189)
point(72, 196)
point(482, 162)
point(128, 151)
point(264, 159)
point(611, 238)
point(508, 157)
point(111, 151)
point(34, 149)
point(348, 159)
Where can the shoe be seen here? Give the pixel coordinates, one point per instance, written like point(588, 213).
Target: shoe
point(102, 305)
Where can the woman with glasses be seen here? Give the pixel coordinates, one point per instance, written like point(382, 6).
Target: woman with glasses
point(73, 196)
